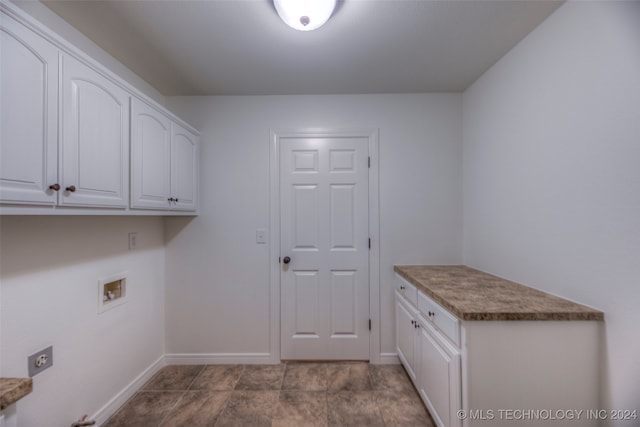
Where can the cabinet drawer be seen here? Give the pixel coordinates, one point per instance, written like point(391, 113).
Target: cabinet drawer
point(441, 318)
point(407, 290)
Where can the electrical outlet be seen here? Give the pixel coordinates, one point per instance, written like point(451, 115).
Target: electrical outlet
point(40, 361)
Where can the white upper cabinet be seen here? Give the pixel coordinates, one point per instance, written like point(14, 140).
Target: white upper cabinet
point(28, 114)
point(150, 157)
point(77, 140)
point(164, 161)
point(184, 168)
point(95, 138)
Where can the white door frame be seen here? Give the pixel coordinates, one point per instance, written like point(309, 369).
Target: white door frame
point(374, 232)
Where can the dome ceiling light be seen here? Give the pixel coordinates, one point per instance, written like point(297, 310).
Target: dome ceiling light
point(305, 15)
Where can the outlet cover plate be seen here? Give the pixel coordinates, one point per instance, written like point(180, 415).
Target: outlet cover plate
point(40, 360)
point(133, 240)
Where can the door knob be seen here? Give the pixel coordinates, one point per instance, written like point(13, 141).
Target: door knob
point(286, 260)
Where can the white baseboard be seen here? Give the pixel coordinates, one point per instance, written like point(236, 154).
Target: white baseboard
point(110, 408)
point(220, 359)
point(389, 359)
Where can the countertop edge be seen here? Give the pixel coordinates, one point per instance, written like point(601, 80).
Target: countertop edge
point(13, 389)
point(590, 315)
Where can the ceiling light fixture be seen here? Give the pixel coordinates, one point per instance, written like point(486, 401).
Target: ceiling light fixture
point(305, 15)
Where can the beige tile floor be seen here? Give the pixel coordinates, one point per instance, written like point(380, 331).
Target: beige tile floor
point(289, 394)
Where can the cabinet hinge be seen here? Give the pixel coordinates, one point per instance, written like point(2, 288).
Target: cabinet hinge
point(369, 161)
point(369, 324)
point(369, 242)
point(279, 260)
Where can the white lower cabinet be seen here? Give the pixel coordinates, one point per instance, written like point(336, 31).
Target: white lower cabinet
point(438, 375)
point(406, 334)
point(432, 362)
point(491, 373)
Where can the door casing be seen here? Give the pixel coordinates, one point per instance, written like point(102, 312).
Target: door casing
point(374, 232)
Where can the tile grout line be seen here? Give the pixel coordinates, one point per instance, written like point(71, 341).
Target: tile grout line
point(195, 377)
point(184, 392)
point(374, 389)
point(174, 406)
point(226, 402)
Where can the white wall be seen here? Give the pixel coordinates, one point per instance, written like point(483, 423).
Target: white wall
point(217, 299)
point(552, 173)
point(49, 273)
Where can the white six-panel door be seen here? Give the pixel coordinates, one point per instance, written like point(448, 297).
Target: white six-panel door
point(324, 231)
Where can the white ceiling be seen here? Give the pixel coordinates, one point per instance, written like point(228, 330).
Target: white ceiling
point(240, 47)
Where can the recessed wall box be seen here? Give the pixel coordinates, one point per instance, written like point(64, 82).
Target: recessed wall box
point(112, 292)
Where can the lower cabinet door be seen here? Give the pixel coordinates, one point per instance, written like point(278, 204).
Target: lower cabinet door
point(439, 376)
point(405, 336)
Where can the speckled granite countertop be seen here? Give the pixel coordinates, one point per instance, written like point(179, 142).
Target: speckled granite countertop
point(473, 295)
point(13, 389)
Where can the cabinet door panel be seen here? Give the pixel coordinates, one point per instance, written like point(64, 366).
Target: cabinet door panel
point(405, 336)
point(150, 157)
point(441, 318)
point(184, 168)
point(95, 138)
point(439, 376)
point(28, 114)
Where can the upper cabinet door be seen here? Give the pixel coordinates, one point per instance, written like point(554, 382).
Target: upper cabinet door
point(184, 168)
point(28, 115)
point(95, 138)
point(150, 157)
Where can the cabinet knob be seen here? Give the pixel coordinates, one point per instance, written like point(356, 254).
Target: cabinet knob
point(286, 260)
point(176, 200)
point(413, 322)
point(416, 325)
point(54, 187)
point(71, 189)
point(170, 199)
point(431, 314)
